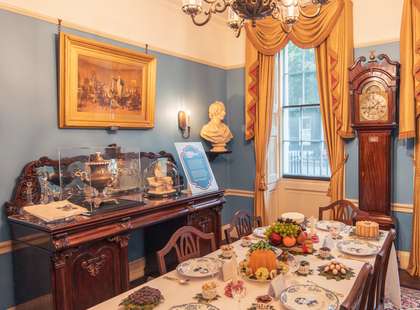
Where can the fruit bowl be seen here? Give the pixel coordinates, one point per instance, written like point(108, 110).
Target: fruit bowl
point(285, 233)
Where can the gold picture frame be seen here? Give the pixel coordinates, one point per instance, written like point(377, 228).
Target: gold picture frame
point(104, 86)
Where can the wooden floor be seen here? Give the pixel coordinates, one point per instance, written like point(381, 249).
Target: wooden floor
point(408, 281)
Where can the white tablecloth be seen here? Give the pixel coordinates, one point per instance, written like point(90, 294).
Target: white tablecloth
point(176, 294)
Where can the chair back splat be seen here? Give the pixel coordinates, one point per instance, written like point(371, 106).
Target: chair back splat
point(186, 242)
point(357, 299)
point(243, 224)
point(341, 210)
point(376, 296)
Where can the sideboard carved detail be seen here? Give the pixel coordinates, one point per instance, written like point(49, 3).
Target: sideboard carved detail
point(94, 265)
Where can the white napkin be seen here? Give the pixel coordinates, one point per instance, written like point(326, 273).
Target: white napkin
point(328, 242)
point(229, 270)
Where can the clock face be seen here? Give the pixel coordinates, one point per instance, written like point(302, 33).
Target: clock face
point(373, 104)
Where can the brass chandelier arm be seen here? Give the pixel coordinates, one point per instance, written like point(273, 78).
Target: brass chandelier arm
point(287, 12)
point(216, 6)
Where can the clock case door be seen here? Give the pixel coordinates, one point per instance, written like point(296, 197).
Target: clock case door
point(375, 137)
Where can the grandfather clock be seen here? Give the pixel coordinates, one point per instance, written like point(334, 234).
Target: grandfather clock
point(373, 94)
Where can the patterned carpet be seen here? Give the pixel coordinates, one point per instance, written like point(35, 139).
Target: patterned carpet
point(410, 300)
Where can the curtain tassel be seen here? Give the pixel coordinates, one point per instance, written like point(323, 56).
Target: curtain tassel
point(336, 170)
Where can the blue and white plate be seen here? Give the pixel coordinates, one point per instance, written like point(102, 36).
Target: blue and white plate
point(259, 232)
point(199, 267)
point(358, 247)
point(299, 297)
point(325, 225)
point(195, 306)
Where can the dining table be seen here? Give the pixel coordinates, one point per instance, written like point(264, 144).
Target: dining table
point(175, 293)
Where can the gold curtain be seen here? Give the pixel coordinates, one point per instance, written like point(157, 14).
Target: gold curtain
point(410, 69)
point(331, 33)
point(414, 263)
point(409, 110)
point(264, 111)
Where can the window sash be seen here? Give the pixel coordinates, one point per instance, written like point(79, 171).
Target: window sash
point(320, 166)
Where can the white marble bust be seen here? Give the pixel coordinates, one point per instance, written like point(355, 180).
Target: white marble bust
point(216, 131)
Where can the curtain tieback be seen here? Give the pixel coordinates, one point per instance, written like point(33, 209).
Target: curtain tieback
point(336, 170)
point(262, 184)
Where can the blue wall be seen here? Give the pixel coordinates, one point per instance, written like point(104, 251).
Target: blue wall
point(28, 118)
point(28, 123)
point(241, 163)
point(402, 163)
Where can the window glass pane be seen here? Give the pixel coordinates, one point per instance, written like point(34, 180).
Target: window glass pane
point(311, 124)
point(274, 125)
point(311, 88)
point(310, 65)
point(272, 161)
point(326, 171)
point(303, 146)
point(294, 59)
point(311, 158)
point(294, 89)
point(291, 124)
point(291, 158)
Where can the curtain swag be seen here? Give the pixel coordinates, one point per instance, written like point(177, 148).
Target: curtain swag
point(331, 34)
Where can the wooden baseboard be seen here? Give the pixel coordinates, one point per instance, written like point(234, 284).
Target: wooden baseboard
point(137, 268)
point(403, 259)
point(43, 302)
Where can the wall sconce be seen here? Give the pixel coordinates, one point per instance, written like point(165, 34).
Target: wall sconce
point(184, 123)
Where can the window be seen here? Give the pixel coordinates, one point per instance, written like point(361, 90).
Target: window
point(297, 109)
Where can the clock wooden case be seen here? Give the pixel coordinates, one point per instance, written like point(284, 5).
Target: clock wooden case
point(373, 93)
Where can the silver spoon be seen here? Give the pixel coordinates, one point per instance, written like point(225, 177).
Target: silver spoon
point(180, 281)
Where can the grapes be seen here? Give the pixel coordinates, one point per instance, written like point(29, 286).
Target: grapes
point(284, 228)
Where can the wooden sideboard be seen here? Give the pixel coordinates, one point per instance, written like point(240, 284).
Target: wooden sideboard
point(84, 261)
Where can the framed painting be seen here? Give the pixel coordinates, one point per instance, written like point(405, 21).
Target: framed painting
point(103, 86)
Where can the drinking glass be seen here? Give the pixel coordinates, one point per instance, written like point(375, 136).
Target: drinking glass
point(335, 230)
point(238, 291)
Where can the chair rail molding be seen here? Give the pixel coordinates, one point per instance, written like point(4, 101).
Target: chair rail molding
point(239, 193)
point(395, 206)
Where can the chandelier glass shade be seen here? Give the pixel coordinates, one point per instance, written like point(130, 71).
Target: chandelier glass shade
point(239, 11)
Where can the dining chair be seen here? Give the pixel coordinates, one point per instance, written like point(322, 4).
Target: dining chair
point(186, 243)
point(377, 293)
point(341, 210)
point(243, 224)
point(357, 298)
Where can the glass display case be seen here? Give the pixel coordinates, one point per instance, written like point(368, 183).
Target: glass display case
point(161, 179)
point(100, 178)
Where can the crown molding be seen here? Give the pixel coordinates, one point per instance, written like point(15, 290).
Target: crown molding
point(78, 27)
point(376, 43)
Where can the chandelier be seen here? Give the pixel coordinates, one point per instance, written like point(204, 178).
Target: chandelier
point(239, 11)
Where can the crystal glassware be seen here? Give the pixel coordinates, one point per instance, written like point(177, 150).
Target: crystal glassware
point(238, 291)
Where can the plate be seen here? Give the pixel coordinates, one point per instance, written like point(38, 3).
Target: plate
point(358, 247)
point(199, 267)
point(294, 216)
point(323, 224)
point(313, 297)
point(195, 306)
point(260, 232)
